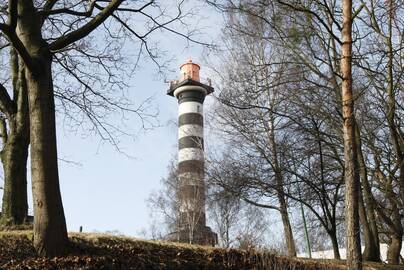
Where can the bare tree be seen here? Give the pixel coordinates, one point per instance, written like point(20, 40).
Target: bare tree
point(14, 131)
point(352, 182)
point(238, 224)
point(85, 99)
point(251, 235)
point(40, 32)
point(224, 210)
point(180, 207)
point(324, 16)
point(164, 204)
point(383, 26)
point(191, 217)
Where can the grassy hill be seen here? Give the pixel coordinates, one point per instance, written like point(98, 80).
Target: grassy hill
point(98, 251)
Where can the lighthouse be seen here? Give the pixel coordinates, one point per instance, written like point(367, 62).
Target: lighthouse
point(190, 93)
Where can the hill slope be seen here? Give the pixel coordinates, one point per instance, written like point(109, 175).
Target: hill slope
point(97, 251)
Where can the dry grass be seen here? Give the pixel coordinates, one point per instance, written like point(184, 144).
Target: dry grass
point(367, 265)
point(23, 227)
point(102, 251)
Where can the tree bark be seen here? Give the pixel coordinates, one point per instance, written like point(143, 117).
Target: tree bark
point(396, 236)
point(15, 151)
point(370, 251)
point(287, 228)
point(393, 252)
point(14, 158)
point(50, 234)
point(352, 182)
point(366, 210)
point(396, 137)
point(335, 246)
point(333, 232)
point(370, 211)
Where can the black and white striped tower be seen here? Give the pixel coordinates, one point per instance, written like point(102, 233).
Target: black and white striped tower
point(191, 94)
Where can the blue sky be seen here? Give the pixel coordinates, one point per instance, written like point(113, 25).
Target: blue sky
point(104, 190)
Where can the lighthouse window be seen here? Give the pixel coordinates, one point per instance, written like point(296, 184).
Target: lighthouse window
point(198, 108)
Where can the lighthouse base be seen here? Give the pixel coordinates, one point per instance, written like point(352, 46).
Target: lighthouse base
point(202, 236)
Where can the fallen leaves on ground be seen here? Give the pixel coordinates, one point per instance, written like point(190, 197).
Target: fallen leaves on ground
point(98, 252)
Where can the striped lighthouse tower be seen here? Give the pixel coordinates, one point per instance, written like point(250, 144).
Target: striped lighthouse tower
point(191, 94)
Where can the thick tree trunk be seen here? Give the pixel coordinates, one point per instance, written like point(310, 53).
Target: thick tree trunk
point(50, 234)
point(14, 158)
point(352, 181)
point(394, 249)
point(15, 150)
